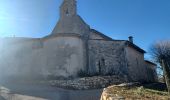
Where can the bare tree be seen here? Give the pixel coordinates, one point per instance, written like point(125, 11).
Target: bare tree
point(161, 53)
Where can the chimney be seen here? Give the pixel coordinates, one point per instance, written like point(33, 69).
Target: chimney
point(131, 39)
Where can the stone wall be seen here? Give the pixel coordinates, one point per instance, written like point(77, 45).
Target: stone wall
point(19, 57)
point(107, 57)
point(95, 36)
point(136, 65)
point(96, 82)
point(151, 72)
point(57, 56)
point(64, 56)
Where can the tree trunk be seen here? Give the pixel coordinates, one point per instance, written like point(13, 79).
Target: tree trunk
point(166, 72)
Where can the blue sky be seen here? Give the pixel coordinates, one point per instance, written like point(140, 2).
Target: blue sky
point(146, 20)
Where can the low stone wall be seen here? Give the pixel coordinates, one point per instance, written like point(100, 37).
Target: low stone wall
point(88, 82)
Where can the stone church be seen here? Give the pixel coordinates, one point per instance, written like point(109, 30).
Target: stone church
point(73, 48)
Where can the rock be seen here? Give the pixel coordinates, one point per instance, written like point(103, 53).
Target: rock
point(128, 84)
point(106, 95)
point(95, 82)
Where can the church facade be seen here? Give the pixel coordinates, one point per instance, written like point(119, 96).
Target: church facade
point(73, 48)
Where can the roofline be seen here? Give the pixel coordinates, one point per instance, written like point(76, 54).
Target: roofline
point(150, 62)
point(61, 35)
point(135, 46)
point(128, 43)
point(104, 36)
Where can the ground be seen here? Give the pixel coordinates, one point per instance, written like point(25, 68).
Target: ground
point(156, 91)
point(136, 91)
point(1, 98)
point(44, 91)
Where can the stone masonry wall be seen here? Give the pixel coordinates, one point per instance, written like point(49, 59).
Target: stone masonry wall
point(107, 57)
point(63, 56)
point(137, 69)
point(54, 57)
point(19, 57)
point(151, 72)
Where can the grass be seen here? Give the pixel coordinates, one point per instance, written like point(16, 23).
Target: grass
point(139, 93)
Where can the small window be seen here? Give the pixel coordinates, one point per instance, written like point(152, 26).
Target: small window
point(67, 12)
point(103, 62)
point(137, 62)
point(101, 65)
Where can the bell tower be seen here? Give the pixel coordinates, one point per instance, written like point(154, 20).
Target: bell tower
point(68, 8)
point(72, 26)
point(70, 21)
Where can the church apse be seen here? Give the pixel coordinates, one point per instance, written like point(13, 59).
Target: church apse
point(64, 56)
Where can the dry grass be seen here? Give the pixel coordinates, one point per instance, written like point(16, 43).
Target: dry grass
point(138, 93)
